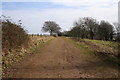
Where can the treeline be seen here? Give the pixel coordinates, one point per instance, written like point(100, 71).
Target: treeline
point(90, 28)
point(13, 35)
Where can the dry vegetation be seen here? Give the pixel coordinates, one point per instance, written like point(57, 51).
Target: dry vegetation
point(17, 43)
point(13, 36)
point(106, 50)
point(15, 55)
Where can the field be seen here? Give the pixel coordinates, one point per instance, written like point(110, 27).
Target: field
point(63, 57)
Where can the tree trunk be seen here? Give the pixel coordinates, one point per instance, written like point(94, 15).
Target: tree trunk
point(51, 33)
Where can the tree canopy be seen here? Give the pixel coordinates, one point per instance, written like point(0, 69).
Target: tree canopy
point(51, 27)
point(88, 27)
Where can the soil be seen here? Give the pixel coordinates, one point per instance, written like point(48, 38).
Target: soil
point(61, 59)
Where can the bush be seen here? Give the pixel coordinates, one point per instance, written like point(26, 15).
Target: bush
point(13, 36)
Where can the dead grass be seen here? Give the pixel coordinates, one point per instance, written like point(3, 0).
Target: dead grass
point(15, 55)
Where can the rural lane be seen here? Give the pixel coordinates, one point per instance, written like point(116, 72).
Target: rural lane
point(61, 59)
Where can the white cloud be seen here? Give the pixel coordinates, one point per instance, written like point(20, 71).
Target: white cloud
point(84, 2)
point(34, 19)
point(25, 0)
point(119, 13)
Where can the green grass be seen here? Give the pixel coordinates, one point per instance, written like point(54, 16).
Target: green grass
point(83, 47)
point(108, 44)
point(113, 46)
point(111, 60)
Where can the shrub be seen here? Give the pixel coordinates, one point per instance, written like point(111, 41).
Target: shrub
point(13, 35)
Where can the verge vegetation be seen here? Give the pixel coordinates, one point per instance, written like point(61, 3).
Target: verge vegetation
point(104, 50)
point(17, 44)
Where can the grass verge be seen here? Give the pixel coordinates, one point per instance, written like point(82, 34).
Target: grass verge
point(108, 44)
point(15, 56)
point(83, 47)
point(87, 49)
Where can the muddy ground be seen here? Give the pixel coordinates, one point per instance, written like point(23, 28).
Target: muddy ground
point(61, 59)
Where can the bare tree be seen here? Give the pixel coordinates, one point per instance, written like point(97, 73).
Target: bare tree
point(51, 27)
point(117, 29)
point(91, 25)
point(105, 30)
point(88, 27)
point(80, 29)
point(85, 28)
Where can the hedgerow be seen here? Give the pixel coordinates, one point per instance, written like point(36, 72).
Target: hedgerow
point(13, 35)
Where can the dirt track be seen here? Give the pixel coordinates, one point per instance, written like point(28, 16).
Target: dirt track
point(61, 59)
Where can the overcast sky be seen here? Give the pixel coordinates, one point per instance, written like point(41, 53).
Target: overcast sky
point(64, 12)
